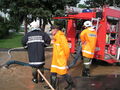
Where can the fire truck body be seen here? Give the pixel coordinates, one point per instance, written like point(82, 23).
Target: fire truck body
point(107, 23)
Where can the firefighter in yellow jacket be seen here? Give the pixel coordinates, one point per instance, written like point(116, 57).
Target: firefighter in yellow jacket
point(88, 41)
point(60, 56)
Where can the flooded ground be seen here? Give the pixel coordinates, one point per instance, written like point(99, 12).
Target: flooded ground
point(104, 77)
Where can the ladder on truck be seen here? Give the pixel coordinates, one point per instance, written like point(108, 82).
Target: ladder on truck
point(97, 20)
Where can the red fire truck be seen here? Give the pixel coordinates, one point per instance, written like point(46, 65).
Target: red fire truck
point(107, 23)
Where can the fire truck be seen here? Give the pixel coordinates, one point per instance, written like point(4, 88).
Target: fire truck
point(107, 23)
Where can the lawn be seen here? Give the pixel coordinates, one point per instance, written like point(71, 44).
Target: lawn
point(12, 41)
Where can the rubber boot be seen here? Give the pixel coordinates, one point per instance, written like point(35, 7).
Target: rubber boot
point(35, 77)
point(53, 82)
point(86, 72)
point(70, 83)
point(41, 80)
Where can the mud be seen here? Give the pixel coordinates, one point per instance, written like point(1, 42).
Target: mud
point(19, 77)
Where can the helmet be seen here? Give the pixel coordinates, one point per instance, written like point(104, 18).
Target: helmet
point(87, 23)
point(34, 24)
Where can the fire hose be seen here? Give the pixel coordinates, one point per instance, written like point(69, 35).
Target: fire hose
point(77, 56)
point(8, 63)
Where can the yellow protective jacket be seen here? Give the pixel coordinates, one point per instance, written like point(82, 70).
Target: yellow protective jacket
point(88, 39)
point(61, 53)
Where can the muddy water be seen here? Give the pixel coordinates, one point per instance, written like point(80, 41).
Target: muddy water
point(19, 77)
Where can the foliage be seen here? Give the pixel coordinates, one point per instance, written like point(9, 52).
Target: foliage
point(7, 24)
point(82, 6)
point(100, 3)
point(29, 10)
point(4, 27)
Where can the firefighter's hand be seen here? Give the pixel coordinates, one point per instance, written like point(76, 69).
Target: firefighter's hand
point(46, 45)
point(52, 41)
point(70, 66)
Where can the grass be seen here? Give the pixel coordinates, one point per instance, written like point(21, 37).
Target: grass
point(12, 41)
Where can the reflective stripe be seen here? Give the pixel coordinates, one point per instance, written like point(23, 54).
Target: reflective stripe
point(87, 63)
point(87, 52)
point(36, 63)
point(57, 44)
point(59, 67)
point(32, 41)
point(92, 35)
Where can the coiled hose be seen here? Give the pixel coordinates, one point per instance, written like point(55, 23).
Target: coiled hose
point(10, 62)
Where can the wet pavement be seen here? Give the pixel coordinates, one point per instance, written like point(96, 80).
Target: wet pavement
point(102, 82)
point(19, 77)
point(105, 82)
point(21, 81)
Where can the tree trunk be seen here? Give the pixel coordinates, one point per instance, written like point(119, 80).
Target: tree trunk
point(44, 23)
point(25, 24)
point(50, 22)
point(40, 24)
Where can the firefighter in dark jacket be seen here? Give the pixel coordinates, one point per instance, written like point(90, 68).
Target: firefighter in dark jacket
point(36, 41)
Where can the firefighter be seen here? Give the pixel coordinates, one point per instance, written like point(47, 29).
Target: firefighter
point(88, 42)
point(60, 56)
point(36, 40)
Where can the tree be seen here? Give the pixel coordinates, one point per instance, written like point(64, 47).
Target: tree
point(4, 27)
point(29, 10)
point(100, 3)
point(82, 6)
